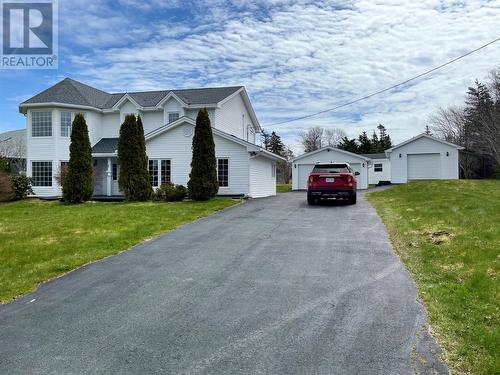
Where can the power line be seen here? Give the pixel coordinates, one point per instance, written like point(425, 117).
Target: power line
point(387, 88)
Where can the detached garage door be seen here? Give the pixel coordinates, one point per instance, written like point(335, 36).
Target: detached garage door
point(304, 171)
point(423, 166)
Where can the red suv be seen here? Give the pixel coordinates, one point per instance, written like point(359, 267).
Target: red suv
point(332, 180)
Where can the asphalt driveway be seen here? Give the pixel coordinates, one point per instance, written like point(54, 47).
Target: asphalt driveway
point(272, 286)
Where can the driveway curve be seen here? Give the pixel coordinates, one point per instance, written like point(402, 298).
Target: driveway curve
point(272, 286)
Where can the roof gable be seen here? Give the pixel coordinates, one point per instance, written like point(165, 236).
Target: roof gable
point(329, 148)
point(420, 136)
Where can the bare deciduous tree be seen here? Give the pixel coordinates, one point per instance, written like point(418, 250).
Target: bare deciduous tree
point(312, 140)
point(14, 149)
point(332, 136)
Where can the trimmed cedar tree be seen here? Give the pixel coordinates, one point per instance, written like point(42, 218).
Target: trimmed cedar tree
point(134, 175)
point(77, 186)
point(203, 183)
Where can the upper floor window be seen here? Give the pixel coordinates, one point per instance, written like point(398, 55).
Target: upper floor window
point(41, 124)
point(41, 173)
point(377, 167)
point(65, 124)
point(223, 172)
point(173, 116)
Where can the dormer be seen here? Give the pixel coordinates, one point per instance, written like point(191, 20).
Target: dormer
point(173, 108)
point(126, 105)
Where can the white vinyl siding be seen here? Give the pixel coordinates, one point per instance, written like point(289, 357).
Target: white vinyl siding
point(375, 176)
point(176, 146)
point(262, 181)
point(233, 118)
point(41, 124)
point(404, 165)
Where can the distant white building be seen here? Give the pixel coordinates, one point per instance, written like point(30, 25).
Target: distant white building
point(423, 158)
point(419, 158)
point(168, 117)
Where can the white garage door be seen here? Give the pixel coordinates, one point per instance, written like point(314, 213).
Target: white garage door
point(423, 166)
point(304, 171)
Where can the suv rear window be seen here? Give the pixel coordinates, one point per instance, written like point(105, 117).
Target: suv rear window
point(331, 168)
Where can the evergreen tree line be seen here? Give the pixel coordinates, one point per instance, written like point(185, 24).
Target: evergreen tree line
point(317, 137)
point(364, 145)
point(475, 126)
point(272, 142)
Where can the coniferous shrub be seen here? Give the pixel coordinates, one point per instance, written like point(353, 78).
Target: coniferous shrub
point(170, 193)
point(134, 175)
point(78, 186)
point(203, 183)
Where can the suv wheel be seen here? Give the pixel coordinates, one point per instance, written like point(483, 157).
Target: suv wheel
point(310, 200)
point(352, 199)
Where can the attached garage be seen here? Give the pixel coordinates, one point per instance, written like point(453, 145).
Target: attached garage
point(423, 158)
point(303, 165)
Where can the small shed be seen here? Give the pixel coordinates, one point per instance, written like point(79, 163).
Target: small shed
point(302, 165)
point(423, 158)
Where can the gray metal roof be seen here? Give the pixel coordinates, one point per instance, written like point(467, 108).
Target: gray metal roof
point(106, 146)
point(375, 156)
point(13, 144)
point(69, 91)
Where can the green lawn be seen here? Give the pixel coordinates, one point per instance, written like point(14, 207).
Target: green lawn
point(448, 235)
point(283, 188)
point(40, 240)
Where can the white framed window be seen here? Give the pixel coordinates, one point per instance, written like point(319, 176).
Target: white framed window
point(165, 172)
point(173, 116)
point(114, 171)
point(273, 170)
point(41, 173)
point(66, 118)
point(41, 124)
point(159, 172)
point(377, 167)
point(223, 172)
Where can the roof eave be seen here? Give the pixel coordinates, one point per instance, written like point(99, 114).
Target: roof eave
point(23, 107)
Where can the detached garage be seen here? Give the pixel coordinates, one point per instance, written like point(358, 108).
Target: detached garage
point(303, 165)
point(423, 158)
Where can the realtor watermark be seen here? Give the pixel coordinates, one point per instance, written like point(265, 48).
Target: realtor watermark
point(29, 38)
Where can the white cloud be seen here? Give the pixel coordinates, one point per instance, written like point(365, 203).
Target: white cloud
point(299, 57)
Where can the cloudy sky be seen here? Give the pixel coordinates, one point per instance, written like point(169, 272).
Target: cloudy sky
point(295, 57)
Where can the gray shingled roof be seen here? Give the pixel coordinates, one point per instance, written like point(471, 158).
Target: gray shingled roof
point(105, 146)
point(13, 144)
point(375, 156)
point(69, 91)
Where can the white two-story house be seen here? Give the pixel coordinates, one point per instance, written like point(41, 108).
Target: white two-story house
point(243, 168)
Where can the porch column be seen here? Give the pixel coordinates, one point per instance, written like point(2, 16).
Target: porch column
point(109, 175)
